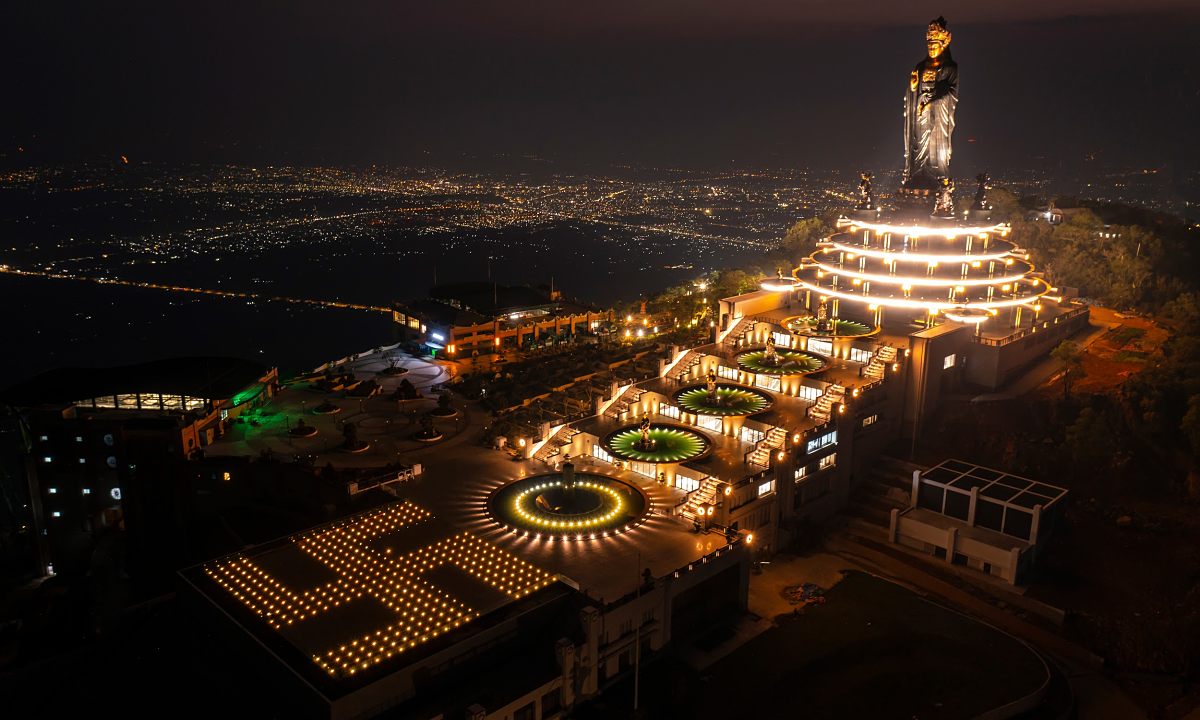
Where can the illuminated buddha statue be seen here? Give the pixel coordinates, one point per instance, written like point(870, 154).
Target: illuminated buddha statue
point(929, 113)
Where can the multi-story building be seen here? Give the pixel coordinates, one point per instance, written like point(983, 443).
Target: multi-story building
point(109, 447)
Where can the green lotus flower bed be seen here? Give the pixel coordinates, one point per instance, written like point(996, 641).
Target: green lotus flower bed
point(671, 445)
point(734, 401)
point(838, 328)
point(791, 362)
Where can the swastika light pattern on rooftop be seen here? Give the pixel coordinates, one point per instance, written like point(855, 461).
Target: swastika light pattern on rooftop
point(422, 610)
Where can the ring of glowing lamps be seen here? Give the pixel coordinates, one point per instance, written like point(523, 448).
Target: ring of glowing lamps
point(917, 230)
point(536, 525)
point(917, 257)
point(924, 280)
point(934, 304)
point(776, 284)
point(969, 315)
point(424, 611)
point(584, 524)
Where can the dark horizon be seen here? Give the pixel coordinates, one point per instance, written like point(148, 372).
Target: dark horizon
point(770, 89)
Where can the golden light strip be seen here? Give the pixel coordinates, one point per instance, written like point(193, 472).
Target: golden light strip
point(927, 304)
point(919, 279)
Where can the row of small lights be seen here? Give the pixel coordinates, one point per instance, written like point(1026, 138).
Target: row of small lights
point(572, 524)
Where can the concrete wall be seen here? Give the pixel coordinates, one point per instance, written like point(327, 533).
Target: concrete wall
point(992, 366)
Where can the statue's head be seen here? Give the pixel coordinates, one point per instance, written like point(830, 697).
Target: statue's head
point(937, 37)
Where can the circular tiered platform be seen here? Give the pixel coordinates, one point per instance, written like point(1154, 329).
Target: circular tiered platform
point(672, 444)
point(807, 325)
point(943, 268)
point(735, 400)
point(542, 505)
point(788, 362)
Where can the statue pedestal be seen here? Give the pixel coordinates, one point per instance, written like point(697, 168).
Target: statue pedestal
point(979, 216)
point(865, 215)
point(915, 203)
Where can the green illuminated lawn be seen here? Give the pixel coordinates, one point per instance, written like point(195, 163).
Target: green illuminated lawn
point(734, 401)
point(671, 445)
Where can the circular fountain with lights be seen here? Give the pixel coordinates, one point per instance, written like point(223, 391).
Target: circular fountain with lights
point(725, 399)
point(656, 443)
point(568, 505)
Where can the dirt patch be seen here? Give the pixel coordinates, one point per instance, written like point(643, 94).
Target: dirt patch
point(1119, 353)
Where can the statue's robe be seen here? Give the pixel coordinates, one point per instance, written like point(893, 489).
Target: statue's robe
point(927, 135)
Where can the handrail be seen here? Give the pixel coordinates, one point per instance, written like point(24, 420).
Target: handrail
point(1025, 332)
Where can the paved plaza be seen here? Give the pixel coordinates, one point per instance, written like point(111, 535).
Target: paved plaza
point(459, 473)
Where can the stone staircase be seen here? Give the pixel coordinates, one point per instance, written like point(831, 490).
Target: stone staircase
point(706, 493)
point(556, 443)
point(738, 333)
point(683, 368)
point(822, 409)
point(628, 397)
point(873, 501)
point(879, 362)
point(761, 454)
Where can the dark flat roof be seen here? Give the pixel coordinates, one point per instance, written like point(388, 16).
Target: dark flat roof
point(211, 378)
point(489, 299)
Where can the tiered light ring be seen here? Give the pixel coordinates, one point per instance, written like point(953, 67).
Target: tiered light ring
point(937, 269)
point(737, 400)
point(672, 444)
point(789, 362)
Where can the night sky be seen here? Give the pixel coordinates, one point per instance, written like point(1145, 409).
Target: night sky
point(700, 84)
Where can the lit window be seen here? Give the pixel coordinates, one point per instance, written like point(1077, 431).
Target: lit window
point(87, 491)
point(823, 441)
point(226, 477)
point(828, 461)
point(56, 514)
point(53, 490)
point(78, 438)
point(82, 461)
point(948, 362)
point(766, 488)
point(871, 420)
point(45, 437)
point(800, 472)
point(46, 459)
point(821, 347)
